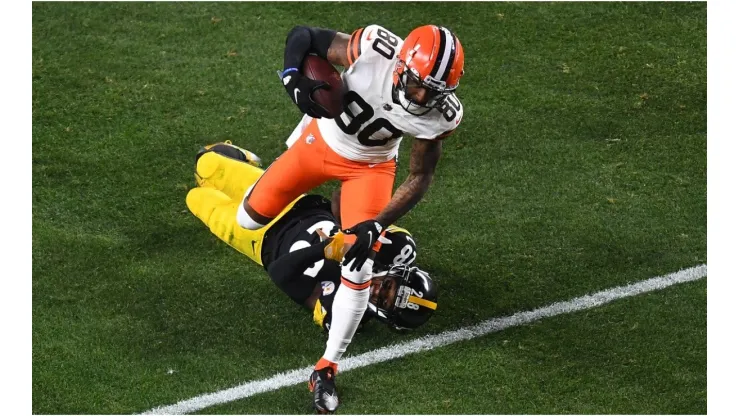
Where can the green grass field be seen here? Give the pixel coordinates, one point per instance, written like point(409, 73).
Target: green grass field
point(580, 165)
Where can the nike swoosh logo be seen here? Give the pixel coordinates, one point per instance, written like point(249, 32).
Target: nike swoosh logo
point(331, 401)
point(295, 92)
point(253, 250)
point(368, 35)
point(370, 243)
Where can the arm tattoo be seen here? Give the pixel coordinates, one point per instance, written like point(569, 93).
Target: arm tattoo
point(424, 157)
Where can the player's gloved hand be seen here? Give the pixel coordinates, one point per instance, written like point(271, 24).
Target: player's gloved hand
point(300, 88)
point(367, 233)
point(334, 247)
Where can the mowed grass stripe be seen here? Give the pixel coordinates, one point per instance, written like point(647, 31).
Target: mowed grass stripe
point(429, 342)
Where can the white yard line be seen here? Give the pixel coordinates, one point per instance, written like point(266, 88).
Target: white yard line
point(429, 342)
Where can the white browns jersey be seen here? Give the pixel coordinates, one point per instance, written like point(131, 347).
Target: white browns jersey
point(372, 126)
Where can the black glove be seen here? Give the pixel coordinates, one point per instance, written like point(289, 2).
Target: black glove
point(367, 233)
point(300, 88)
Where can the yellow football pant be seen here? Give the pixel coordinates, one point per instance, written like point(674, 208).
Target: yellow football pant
point(223, 182)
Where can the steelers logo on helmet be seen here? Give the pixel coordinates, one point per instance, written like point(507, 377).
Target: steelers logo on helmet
point(429, 68)
point(406, 298)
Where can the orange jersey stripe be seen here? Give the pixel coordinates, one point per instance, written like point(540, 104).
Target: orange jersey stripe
point(355, 286)
point(353, 50)
point(349, 47)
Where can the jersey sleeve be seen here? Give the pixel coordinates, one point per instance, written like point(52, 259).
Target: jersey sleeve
point(355, 46)
point(373, 41)
point(445, 120)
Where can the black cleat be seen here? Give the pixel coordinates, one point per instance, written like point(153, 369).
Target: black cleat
point(228, 149)
point(321, 383)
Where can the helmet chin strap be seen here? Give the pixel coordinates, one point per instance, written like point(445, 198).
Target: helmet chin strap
point(408, 105)
point(412, 107)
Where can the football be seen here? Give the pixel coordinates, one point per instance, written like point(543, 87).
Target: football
point(319, 69)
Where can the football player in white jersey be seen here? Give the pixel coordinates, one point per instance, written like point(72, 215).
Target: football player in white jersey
point(395, 87)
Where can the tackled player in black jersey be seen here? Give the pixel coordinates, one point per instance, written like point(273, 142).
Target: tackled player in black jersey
point(301, 248)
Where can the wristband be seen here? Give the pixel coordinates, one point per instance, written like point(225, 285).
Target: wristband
point(285, 72)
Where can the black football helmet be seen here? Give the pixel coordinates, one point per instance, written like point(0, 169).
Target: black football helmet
point(413, 303)
point(398, 248)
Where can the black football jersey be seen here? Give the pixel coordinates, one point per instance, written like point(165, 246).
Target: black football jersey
point(297, 230)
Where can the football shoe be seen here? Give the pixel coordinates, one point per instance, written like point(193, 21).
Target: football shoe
point(321, 384)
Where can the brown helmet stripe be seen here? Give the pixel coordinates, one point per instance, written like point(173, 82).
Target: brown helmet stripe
point(445, 55)
point(452, 58)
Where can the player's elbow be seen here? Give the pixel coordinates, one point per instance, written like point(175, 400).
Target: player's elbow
point(277, 274)
point(296, 31)
point(421, 180)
